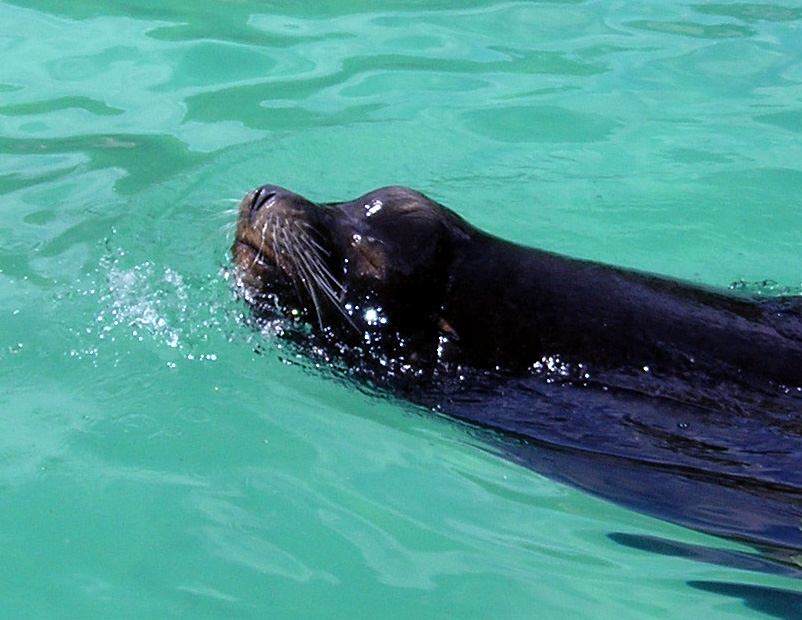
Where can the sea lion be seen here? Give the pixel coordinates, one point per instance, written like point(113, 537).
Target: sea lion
point(666, 384)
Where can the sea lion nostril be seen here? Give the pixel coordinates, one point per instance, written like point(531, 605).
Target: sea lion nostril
point(261, 197)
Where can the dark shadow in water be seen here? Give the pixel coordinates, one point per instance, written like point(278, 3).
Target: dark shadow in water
point(782, 604)
point(734, 473)
point(146, 159)
point(737, 476)
point(711, 555)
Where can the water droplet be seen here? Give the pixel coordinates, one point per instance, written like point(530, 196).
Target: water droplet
point(373, 207)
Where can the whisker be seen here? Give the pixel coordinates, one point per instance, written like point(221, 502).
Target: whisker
point(280, 253)
point(326, 276)
point(305, 275)
point(320, 275)
point(317, 271)
point(256, 259)
point(297, 252)
point(313, 245)
point(308, 231)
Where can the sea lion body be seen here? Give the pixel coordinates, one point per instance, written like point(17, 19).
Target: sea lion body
point(662, 380)
point(452, 294)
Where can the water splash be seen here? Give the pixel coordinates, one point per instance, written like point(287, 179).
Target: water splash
point(157, 305)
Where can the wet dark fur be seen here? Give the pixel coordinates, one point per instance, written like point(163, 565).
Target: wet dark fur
point(677, 400)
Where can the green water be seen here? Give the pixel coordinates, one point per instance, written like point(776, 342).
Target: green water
point(160, 460)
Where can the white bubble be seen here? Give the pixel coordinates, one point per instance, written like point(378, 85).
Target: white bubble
point(373, 207)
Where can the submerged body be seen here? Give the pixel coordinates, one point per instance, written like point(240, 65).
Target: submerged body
point(671, 398)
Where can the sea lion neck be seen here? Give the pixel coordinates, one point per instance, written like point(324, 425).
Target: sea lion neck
point(492, 278)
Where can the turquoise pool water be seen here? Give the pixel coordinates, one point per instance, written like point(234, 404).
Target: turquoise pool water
point(160, 460)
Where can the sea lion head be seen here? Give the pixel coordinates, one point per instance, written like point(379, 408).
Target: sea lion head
point(368, 275)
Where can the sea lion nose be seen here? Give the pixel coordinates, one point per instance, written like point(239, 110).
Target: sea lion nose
point(261, 196)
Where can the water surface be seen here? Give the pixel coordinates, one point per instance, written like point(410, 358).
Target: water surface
point(160, 459)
